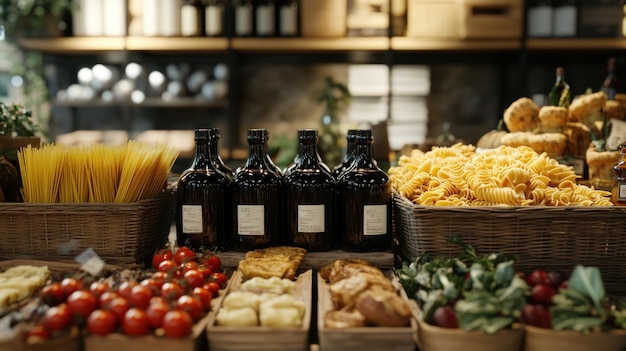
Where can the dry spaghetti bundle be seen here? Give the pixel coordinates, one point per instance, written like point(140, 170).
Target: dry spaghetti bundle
point(95, 173)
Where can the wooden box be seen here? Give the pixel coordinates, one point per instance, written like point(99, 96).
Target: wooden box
point(361, 338)
point(323, 18)
point(538, 339)
point(260, 338)
point(465, 19)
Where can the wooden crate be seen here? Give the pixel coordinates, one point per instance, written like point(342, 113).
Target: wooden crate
point(362, 338)
point(260, 338)
point(538, 339)
point(323, 18)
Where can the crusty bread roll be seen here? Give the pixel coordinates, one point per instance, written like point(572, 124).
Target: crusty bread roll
point(326, 270)
point(578, 139)
point(588, 108)
point(553, 118)
point(345, 292)
point(614, 109)
point(384, 308)
point(522, 116)
point(600, 164)
point(347, 270)
point(344, 318)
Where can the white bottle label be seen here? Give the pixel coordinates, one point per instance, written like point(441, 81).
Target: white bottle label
point(621, 192)
point(288, 20)
point(251, 220)
point(243, 21)
point(213, 17)
point(311, 218)
point(265, 20)
point(374, 219)
point(192, 219)
point(189, 25)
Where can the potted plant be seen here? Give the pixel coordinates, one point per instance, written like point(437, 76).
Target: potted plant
point(17, 129)
point(34, 18)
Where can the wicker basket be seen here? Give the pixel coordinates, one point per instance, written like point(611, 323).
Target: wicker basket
point(554, 238)
point(120, 233)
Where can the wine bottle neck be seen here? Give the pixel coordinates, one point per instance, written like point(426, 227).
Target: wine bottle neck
point(307, 154)
point(257, 156)
point(363, 156)
point(202, 158)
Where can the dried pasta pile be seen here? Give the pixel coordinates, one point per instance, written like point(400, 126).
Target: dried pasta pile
point(94, 173)
point(505, 176)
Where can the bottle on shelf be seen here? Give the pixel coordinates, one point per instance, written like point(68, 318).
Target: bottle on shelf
point(215, 155)
point(349, 156)
point(618, 190)
point(191, 18)
point(244, 14)
point(288, 18)
point(203, 199)
point(364, 201)
point(560, 93)
point(309, 198)
point(610, 85)
point(257, 198)
point(214, 11)
point(565, 18)
point(265, 18)
point(540, 19)
point(170, 21)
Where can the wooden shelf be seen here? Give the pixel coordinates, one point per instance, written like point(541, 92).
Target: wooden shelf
point(73, 45)
point(148, 102)
point(176, 44)
point(576, 44)
point(310, 44)
point(423, 44)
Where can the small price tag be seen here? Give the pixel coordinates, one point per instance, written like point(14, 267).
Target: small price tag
point(90, 262)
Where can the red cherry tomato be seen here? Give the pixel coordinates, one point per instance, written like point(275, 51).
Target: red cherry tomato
point(193, 278)
point(107, 297)
point(118, 306)
point(135, 322)
point(140, 296)
point(160, 277)
point(538, 277)
point(160, 256)
point(204, 296)
point(191, 305)
point(152, 284)
point(171, 291)
point(537, 315)
point(206, 271)
point(542, 294)
point(99, 288)
point(221, 278)
point(168, 266)
point(156, 311)
point(183, 255)
point(53, 294)
point(101, 322)
point(37, 333)
point(177, 324)
point(445, 317)
point(213, 287)
point(57, 318)
point(82, 303)
point(69, 285)
point(125, 289)
point(212, 261)
point(190, 266)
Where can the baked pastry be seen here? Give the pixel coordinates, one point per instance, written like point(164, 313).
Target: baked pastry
point(578, 138)
point(553, 118)
point(238, 317)
point(588, 108)
point(344, 318)
point(350, 269)
point(273, 285)
point(614, 109)
point(328, 268)
point(522, 116)
point(281, 262)
point(241, 299)
point(553, 144)
point(345, 292)
point(384, 308)
point(600, 164)
point(282, 311)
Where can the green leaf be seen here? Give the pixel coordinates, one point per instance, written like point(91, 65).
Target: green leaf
point(581, 324)
point(498, 323)
point(588, 281)
point(504, 273)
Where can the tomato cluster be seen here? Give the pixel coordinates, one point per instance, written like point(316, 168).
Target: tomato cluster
point(173, 297)
point(544, 285)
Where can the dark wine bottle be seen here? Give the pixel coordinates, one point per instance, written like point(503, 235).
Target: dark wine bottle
point(215, 154)
point(309, 198)
point(364, 201)
point(559, 94)
point(203, 200)
point(349, 157)
point(610, 85)
point(257, 198)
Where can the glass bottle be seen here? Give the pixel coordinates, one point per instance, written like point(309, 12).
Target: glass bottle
point(214, 18)
point(203, 199)
point(309, 198)
point(560, 94)
point(288, 18)
point(244, 14)
point(618, 193)
point(364, 201)
point(191, 17)
point(265, 18)
point(540, 18)
point(611, 83)
point(565, 18)
point(257, 198)
point(215, 155)
point(349, 157)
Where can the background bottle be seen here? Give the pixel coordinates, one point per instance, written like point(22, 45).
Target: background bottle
point(244, 14)
point(560, 94)
point(618, 193)
point(540, 18)
point(215, 154)
point(257, 198)
point(364, 201)
point(265, 18)
point(288, 18)
point(309, 198)
point(203, 200)
point(610, 85)
point(214, 18)
point(191, 18)
point(349, 156)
